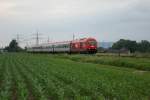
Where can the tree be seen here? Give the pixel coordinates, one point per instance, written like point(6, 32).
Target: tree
point(13, 47)
point(144, 46)
point(125, 44)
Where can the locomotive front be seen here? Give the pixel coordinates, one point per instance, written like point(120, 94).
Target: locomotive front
point(91, 45)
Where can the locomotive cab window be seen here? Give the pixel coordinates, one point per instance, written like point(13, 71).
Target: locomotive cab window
point(93, 43)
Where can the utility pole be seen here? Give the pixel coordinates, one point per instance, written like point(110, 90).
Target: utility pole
point(37, 38)
point(73, 37)
point(18, 39)
point(48, 40)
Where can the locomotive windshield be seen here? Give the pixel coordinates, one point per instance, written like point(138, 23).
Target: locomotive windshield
point(92, 43)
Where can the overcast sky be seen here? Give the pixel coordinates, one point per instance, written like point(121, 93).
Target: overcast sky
point(105, 20)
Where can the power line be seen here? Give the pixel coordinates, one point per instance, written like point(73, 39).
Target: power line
point(48, 40)
point(37, 38)
point(17, 39)
point(23, 39)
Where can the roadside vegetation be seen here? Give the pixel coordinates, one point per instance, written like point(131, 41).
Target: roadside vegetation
point(51, 77)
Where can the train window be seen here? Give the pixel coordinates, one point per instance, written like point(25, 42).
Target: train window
point(49, 47)
point(92, 43)
point(66, 45)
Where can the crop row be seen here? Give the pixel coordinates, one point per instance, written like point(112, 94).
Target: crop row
point(90, 81)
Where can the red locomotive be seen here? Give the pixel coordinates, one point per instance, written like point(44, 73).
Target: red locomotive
point(85, 45)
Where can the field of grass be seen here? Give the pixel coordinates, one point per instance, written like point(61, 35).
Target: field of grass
point(51, 77)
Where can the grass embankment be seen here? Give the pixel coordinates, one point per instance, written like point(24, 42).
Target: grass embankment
point(138, 55)
point(43, 77)
point(129, 62)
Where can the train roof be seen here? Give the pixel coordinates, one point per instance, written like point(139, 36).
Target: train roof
point(51, 43)
point(64, 42)
point(83, 39)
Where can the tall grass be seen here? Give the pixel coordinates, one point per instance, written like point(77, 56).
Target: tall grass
point(129, 62)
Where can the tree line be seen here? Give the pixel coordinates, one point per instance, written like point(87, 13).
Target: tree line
point(132, 46)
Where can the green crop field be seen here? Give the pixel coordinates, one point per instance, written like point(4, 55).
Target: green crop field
point(77, 77)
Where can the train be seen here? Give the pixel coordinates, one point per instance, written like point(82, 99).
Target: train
point(84, 45)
